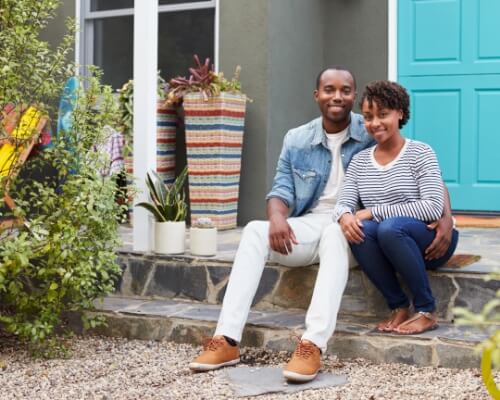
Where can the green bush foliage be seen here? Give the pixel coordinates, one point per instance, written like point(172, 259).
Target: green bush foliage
point(489, 320)
point(63, 258)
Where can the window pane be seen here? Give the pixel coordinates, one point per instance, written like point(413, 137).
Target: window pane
point(113, 49)
point(102, 5)
point(169, 2)
point(182, 34)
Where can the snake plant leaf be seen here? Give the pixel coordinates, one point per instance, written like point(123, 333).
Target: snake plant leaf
point(159, 216)
point(155, 196)
point(167, 202)
point(160, 187)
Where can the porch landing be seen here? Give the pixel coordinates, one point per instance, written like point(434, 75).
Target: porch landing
point(178, 298)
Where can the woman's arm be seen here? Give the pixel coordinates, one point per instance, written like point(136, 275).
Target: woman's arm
point(349, 192)
point(431, 192)
point(347, 203)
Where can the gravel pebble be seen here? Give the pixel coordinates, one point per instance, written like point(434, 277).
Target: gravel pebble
point(109, 368)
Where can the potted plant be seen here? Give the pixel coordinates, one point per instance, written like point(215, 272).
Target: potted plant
point(168, 207)
point(166, 126)
point(214, 112)
point(203, 238)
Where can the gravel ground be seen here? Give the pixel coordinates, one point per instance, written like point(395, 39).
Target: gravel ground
point(104, 368)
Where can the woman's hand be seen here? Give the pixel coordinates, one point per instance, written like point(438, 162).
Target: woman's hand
point(365, 213)
point(351, 226)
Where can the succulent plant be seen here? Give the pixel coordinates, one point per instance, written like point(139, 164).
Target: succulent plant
point(202, 79)
point(204, 223)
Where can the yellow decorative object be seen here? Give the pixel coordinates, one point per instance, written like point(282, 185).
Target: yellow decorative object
point(486, 369)
point(7, 158)
point(27, 124)
point(9, 153)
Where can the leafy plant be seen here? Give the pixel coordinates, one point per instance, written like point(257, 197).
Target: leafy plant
point(168, 202)
point(126, 102)
point(202, 79)
point(488, 318)
point(64, 256)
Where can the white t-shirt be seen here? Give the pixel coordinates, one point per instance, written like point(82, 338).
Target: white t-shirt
point(328, 198)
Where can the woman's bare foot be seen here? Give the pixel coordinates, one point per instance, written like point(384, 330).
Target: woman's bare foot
point(419, 323)
point(398, 316)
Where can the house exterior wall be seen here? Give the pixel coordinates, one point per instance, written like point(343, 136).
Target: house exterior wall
point(281, 46)
point(244, 41)
point(356, 36)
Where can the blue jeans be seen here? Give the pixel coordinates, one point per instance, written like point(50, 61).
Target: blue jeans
point(397, 245)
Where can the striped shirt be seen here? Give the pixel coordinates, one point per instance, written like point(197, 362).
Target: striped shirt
point(408, 186)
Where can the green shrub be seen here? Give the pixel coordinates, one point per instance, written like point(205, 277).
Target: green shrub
point(63, 258)
point(489, 320)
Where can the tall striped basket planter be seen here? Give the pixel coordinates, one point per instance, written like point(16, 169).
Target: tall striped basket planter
point(214, 141)
point(166, 126)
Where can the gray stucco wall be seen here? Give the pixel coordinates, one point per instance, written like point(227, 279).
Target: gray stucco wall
point(281, 51)
point(296, 54)
point(281, 45)
point(356, 37)
point(285, 44)
point(244, 41)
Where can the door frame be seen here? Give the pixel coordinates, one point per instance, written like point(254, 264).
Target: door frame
point(392, 40)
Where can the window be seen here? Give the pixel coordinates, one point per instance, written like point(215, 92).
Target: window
point(185, 27)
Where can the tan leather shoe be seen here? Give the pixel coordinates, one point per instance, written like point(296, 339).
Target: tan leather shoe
point(304, 364)
point(217, 353)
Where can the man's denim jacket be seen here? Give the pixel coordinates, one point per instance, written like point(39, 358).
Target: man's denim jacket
point(305, 162)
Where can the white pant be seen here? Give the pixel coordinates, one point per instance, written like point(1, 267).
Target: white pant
point(319, 239)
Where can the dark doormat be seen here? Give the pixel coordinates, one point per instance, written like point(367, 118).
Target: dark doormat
point(254, 381)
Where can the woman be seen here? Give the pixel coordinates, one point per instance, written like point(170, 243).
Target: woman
point(399, 184)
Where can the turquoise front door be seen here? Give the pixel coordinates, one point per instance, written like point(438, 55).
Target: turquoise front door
point(449, 60)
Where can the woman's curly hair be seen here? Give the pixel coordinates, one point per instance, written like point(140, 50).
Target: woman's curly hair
point(387, 94)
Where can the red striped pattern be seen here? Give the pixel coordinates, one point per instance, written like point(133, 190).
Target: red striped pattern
point(213, 178)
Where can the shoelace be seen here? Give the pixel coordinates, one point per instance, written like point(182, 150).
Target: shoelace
point(304, 350)
point(212, 344)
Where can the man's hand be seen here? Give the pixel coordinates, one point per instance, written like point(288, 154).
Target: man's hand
point(365, 213)
point(351, 226)
point(444, 229)
point(281, 235)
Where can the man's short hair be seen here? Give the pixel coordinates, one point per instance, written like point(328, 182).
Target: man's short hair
point(334, 68)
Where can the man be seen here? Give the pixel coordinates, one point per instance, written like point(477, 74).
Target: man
point(300, 230)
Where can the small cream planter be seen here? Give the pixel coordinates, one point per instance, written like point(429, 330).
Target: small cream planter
point(170, 237)
point(203, 241)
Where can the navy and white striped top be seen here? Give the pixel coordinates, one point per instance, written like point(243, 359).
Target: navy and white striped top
point(409, 186)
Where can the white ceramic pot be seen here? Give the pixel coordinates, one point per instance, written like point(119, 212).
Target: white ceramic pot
point(203, 241)
point(170, 237)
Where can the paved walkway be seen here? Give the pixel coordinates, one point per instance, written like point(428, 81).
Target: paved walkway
point(104, 368)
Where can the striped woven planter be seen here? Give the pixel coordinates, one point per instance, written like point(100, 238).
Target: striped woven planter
point(214, 140)
point(166, 126)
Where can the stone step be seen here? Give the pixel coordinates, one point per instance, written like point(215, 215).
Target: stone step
point(204, 280)
point(188, 322)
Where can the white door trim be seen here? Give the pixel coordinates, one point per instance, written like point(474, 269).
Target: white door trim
point(392, 61)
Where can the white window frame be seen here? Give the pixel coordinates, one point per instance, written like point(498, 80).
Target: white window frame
point(84, 47)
